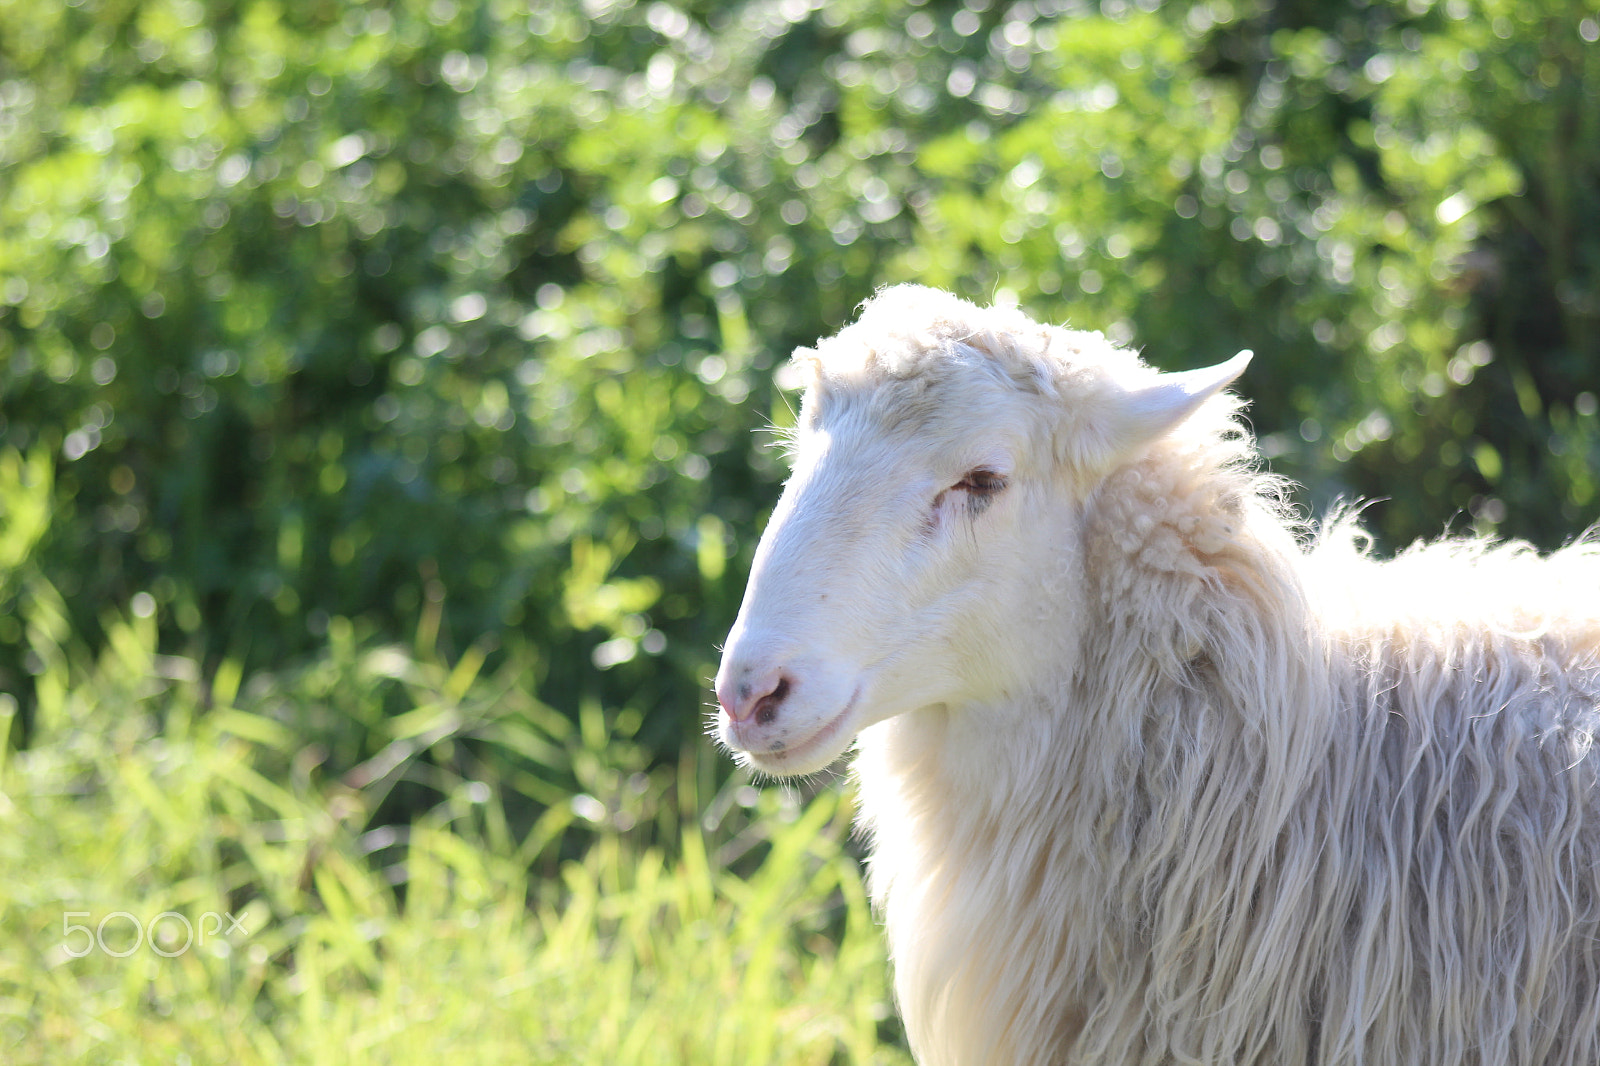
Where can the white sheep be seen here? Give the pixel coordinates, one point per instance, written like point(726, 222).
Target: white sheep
point(1147, 778)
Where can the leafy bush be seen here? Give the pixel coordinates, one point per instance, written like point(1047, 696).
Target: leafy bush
point(465, 312)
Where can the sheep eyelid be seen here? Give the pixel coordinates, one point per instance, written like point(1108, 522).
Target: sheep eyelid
point(981, 482)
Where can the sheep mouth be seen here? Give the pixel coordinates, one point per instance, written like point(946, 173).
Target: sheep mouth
point(778, 760)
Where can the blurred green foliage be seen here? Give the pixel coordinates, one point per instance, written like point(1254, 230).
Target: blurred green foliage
point(450, 322)
point(381, 396)
point(181, 884)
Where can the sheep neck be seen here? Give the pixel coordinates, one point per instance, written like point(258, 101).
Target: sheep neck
point(1067, 850)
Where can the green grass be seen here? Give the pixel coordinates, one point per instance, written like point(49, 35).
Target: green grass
point(558, 902)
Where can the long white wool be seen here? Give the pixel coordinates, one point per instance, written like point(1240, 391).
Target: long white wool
point(1295, 805)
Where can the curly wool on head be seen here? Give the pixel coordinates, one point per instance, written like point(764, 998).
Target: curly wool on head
point(1265, 798)
point(912, 346)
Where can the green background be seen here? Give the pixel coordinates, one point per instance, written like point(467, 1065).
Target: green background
point(383, 397)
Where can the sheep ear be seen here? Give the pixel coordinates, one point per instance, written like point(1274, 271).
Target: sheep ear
point(1151, 411)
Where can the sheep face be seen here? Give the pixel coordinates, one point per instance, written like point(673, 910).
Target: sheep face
point(925, 551)
point(901, 569)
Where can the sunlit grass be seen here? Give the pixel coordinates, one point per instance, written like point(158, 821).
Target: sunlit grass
point(150, 812)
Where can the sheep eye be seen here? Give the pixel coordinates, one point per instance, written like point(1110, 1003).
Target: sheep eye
point(981, 483)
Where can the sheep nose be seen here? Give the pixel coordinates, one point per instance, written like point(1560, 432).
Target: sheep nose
point(758, 697)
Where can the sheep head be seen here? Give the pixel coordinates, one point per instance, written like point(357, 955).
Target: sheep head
point(925, 550)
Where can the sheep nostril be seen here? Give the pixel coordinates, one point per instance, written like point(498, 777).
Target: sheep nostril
point(767, 706)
